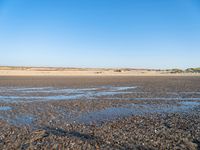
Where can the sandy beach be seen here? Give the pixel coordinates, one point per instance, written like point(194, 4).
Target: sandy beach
point(36, 71)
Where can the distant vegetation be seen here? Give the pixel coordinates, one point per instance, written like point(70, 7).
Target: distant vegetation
point(176, 71)
point(118, 70)
point(189, 70)
point(194, 70)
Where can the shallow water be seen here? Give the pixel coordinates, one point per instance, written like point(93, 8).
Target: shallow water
point(104, 115)
point(11, 94)
point(29, 94)
point(133, 109)
point(5, 108)
point(183, 101)
point(189, 104)
point(22, 120)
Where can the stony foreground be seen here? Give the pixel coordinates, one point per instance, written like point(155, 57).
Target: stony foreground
point(153, 132)
point(161, 113)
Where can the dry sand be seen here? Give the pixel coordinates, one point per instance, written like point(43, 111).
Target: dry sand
point(42, 71)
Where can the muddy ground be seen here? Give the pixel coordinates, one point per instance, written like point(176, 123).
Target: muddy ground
point(100, 113)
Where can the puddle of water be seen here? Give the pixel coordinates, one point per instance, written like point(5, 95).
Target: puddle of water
point(64, 90)
point(60, 91)
point(133, 109)
point(17, 94)
point(32, 89)
point(63, 97)
point(5, 108)
point(190, 92)
point(22, 120)
point(104, 115)
point(164, 98)
point(122, 88)
point(110, 93)
point(18, 120)
point(189, 104)
point(153, 98)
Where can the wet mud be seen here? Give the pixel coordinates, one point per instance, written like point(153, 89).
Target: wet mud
point(100, 112)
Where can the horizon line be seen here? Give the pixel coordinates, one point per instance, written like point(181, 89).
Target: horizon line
point(133, 68)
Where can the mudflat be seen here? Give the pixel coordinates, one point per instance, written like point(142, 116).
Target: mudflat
point(100, 112)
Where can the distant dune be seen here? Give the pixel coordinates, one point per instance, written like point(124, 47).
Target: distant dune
point(59, 71)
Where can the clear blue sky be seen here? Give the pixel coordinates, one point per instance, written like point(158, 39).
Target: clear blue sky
point(100, 33)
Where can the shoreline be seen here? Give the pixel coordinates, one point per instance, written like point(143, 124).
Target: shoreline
point(90, 72)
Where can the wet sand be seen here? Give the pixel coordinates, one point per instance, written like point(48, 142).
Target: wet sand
point(100, 112)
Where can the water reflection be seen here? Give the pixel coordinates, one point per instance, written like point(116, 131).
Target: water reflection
point(133, 109)
point(21, 120)
point(11, 94)
point(183, 101)
point(5, 108)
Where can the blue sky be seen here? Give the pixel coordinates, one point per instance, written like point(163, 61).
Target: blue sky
point(100, 33)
